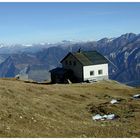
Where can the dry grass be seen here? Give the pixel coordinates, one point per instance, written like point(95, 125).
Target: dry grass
point(32, 110)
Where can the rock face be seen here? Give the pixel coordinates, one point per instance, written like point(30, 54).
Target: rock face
point(127, 60)
point(122, 52)
point(7, 68)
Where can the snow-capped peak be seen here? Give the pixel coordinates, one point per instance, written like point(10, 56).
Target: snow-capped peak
point(2, 45)
point(27, 45)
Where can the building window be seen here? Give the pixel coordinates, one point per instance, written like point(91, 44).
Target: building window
point(70, 63)
point(74, 63)
point(100, 72)
point(91, 73)
point(66, 62)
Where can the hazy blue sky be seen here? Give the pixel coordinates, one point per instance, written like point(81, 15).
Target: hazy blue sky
point(52, 22)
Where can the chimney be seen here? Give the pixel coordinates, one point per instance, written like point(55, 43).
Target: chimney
point(79, 50)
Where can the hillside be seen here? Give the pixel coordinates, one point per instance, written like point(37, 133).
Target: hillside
point(43, 110)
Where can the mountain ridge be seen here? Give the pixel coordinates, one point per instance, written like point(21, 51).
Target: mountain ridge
point(122, 51)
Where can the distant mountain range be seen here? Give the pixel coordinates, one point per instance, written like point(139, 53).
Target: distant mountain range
point(122, 52)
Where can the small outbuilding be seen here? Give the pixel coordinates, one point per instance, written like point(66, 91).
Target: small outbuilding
point(61, 75)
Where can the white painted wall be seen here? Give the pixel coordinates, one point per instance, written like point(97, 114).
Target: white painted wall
point(95, 68)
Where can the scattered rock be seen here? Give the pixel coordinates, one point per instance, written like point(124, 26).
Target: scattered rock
point(110, 116)
point(20, 117)
point(8, 128)
point(136, 96)
point(114, 101)
point(35, 121)
point(84, 136)
point(104, 117)
point(97, 117)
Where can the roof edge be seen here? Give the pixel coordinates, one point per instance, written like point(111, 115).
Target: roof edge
point(70, 53)
point(65, 57)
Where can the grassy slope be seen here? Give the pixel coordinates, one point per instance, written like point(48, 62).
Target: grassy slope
point(31, 110)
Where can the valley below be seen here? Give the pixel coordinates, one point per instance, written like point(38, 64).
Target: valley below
point(35, 62)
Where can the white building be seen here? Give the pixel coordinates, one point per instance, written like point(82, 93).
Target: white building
point(86, 66)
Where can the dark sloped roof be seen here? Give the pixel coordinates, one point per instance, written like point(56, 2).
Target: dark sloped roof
point(89, 58)
point(82, 59)
point(58, 70)
point(95, 57)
